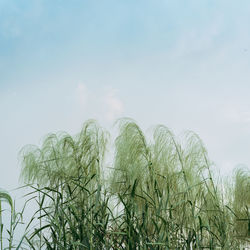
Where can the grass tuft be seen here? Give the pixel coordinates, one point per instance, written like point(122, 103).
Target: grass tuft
point(161, 193)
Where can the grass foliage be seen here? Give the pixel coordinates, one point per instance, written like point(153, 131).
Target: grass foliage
point(159, 194)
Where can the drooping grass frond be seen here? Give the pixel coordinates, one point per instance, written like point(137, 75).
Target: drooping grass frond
point(5, 197)
point(241, 201)
point(163, 191)
point(132, 157)
point(242, 189)
point(62, 156)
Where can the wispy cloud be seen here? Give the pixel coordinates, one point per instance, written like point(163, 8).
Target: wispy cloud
point(114, 106)
point(104, 104)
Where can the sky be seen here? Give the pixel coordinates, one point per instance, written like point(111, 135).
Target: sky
point(184, 64)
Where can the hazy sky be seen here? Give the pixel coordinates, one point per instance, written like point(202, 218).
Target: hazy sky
point(185, 64)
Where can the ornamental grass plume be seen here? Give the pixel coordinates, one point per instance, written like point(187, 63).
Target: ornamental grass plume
point(161, 193)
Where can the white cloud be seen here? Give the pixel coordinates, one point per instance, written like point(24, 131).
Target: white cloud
point(196, 39)
point(102, 104)
point(114, 106)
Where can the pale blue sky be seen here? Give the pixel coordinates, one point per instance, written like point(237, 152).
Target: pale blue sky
point(181, 63)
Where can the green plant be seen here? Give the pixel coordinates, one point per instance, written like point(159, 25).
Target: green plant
point(4, 197)
point(160, 194)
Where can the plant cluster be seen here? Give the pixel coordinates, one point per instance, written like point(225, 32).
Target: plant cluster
point(158, 194)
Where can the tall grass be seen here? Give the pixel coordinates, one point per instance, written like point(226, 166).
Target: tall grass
point(4, 197)
point(160, 194)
